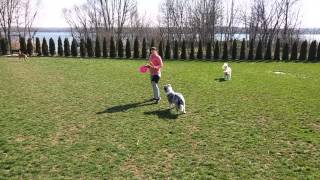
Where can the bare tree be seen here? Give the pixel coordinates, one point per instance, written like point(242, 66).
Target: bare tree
point(94, 16)
point(231, 20)
point(115, 14)
point(166, 10)
point(25, 17)
point(174, 16)
point(291, 18)
point(7, 10)
point(78, 19)
point(185, 19)
point(205, 17)
point(140, 25)
point(271, 19)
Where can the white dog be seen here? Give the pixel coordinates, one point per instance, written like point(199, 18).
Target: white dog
point(227, 71)
point(175, 99)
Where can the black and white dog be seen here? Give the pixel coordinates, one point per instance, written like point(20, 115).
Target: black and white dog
point(175, 99)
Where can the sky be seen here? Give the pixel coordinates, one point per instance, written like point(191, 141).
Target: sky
point(50, 14)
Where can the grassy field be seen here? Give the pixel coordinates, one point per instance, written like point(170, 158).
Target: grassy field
point(88, 119)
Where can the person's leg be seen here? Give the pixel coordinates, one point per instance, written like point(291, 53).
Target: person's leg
point(155, 87)
point(156, 92)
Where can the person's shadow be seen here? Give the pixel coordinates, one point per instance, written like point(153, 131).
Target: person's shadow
point(126, 107)
point(163, 114)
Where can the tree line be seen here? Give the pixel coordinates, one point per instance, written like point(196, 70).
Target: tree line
point(18, 16)
point(179, 20)
point(197, 29)
point(220, 50)
point(188, 19)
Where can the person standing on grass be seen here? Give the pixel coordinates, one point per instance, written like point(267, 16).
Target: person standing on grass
point(155, 64)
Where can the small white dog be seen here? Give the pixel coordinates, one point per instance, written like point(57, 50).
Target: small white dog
point(175, 99)
point(227, 71)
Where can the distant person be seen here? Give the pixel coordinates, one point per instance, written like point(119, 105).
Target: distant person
point(155, 64)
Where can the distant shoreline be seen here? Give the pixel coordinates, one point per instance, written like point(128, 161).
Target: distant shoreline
point(68, 29)
point(46, 29)
point(53, 29)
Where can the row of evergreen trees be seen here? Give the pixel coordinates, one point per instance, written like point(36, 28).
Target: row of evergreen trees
point(3, 46)
point(226, 50)
point(220, 50)
point(49, 50)
point(86, 48)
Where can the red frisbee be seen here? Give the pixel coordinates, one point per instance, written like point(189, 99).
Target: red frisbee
point(143, 69)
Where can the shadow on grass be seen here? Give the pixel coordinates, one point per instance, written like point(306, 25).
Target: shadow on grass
point(126, 107)
point(220, 79)
point(163, 114)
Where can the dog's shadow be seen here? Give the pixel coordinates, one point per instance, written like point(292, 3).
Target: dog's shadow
point(163, 114)
point(220, 80)
point(126, 107)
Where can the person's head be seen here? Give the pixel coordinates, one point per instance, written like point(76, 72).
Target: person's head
point(153, 50)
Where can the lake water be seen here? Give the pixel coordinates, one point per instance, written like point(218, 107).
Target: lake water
point(54, 35)
point(311, 37)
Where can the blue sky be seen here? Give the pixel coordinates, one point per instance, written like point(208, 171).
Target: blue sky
point(51, 12)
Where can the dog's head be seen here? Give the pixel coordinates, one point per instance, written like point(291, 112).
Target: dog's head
point(168, 89)
point(225, 66)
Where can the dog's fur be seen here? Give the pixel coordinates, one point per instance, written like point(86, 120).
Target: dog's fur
point(22, 55)
point(175, 99)
point(227, 71)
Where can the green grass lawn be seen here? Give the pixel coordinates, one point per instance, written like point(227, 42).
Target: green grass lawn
point(87, 119)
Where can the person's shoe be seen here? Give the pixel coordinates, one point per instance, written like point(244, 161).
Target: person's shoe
point(157, 100)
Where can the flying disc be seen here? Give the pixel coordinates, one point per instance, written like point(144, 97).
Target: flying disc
point(143, 69)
